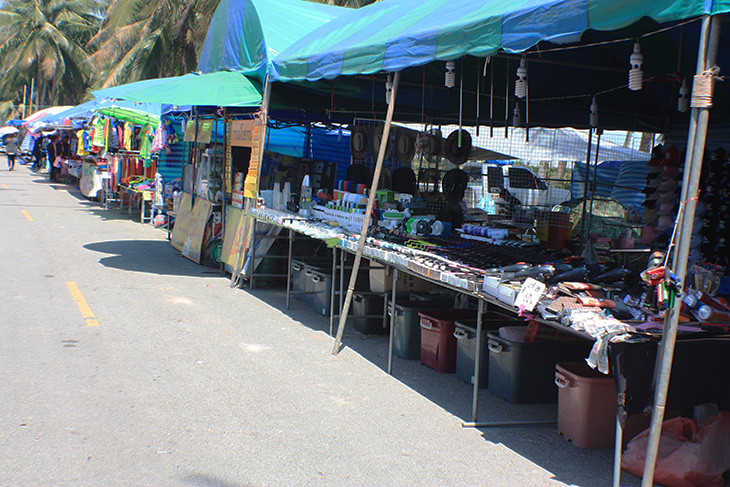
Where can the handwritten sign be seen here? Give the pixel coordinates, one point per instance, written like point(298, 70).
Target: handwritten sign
point(529, 294)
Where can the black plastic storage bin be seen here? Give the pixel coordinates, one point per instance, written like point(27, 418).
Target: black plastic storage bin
point(319, 282)
point(465, 332)
point(312, 282)
point(302, 286)
point(407, 324)
point(522, 373)
point(369, 304)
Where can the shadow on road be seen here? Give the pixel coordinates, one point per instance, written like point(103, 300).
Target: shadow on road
point(539, 444)
point(150, 256)
point(200, 480)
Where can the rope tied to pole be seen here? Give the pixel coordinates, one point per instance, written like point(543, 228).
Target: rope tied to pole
point(703, 87)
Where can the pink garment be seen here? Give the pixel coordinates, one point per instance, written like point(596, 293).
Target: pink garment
point(160, 140)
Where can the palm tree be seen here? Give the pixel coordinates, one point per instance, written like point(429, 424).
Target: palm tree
point(44, 40)
point(143, 39)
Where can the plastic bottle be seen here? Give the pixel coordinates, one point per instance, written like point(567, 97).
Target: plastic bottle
point(305, 203)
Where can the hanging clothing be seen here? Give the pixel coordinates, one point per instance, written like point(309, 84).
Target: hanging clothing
point(113, 136)
point(128, 135)
point(160, 140)
point(146, 135)
point(98, 135)
point(81, 147)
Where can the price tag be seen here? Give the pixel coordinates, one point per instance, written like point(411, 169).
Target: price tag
point(529, 294)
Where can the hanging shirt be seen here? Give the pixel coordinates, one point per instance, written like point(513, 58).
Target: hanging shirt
point(145, 144)
point(160, 140)
point(82, 144)
point(98, 136)
point(128, 135)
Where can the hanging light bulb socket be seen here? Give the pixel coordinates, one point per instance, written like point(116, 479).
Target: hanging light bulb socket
point(636, 75)
point(388, 88)
point(683, 101)
point(521, 83)
point(450, 77)
point(517, 115)
point(594, 113)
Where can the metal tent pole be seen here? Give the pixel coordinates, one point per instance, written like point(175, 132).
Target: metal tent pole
point(224, 166)
point(584, 226)
point(368, 212)
point(688, 204)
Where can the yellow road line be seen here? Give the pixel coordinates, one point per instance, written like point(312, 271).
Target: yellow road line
point(82, 304)
point(27, 215)
point(5, 186)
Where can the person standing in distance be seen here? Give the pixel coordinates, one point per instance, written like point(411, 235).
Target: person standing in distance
point(54, 150)
point(11, 150)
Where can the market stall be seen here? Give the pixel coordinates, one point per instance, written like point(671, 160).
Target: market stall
point(412, 41)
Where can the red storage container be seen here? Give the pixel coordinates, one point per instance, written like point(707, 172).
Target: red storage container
point(586, 405)
point(438, 344)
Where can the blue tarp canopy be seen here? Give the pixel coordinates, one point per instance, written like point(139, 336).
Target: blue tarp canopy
point(80, 113)
point(392, 35)
point(574, 50)
point(620, 181)
point(244, 35)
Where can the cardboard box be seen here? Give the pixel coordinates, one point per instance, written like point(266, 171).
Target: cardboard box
point(507, 292)
point(381, 280)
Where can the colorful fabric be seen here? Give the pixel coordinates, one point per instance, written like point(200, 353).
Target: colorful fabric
point(98, 135)
point(128, 136)
point(146, 135)
point(160, 140)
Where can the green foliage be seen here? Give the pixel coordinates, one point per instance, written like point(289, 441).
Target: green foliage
point(71, 47)
point(45, 40)
point(142, 39)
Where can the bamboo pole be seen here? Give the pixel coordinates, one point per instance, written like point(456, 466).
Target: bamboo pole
point(368, 212)
point(688, 204)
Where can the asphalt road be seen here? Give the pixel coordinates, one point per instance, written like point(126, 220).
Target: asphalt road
point(123, 363)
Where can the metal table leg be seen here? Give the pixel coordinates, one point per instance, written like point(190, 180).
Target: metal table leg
point(332, 293)
point(617, 453)
point(477, 361)
point(392, 320)
point(288, 270)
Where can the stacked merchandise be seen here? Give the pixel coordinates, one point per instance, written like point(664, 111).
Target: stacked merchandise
point(712, 217)
point(662, 197)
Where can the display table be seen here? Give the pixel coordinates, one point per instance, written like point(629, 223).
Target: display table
point(143, 199)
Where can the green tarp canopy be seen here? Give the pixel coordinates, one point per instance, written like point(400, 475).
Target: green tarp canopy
point(221, 89)
point(137, 117)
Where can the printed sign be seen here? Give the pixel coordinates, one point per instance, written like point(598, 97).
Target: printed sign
point(189, 135)
point(237, 199)
point(242, 133)
point(205, 131)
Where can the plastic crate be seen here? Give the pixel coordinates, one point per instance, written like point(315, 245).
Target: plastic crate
point(438, 344)
point(465, 332)
point(369, 304)
point(522, 373)
point(406, 326)
point(586, 405)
